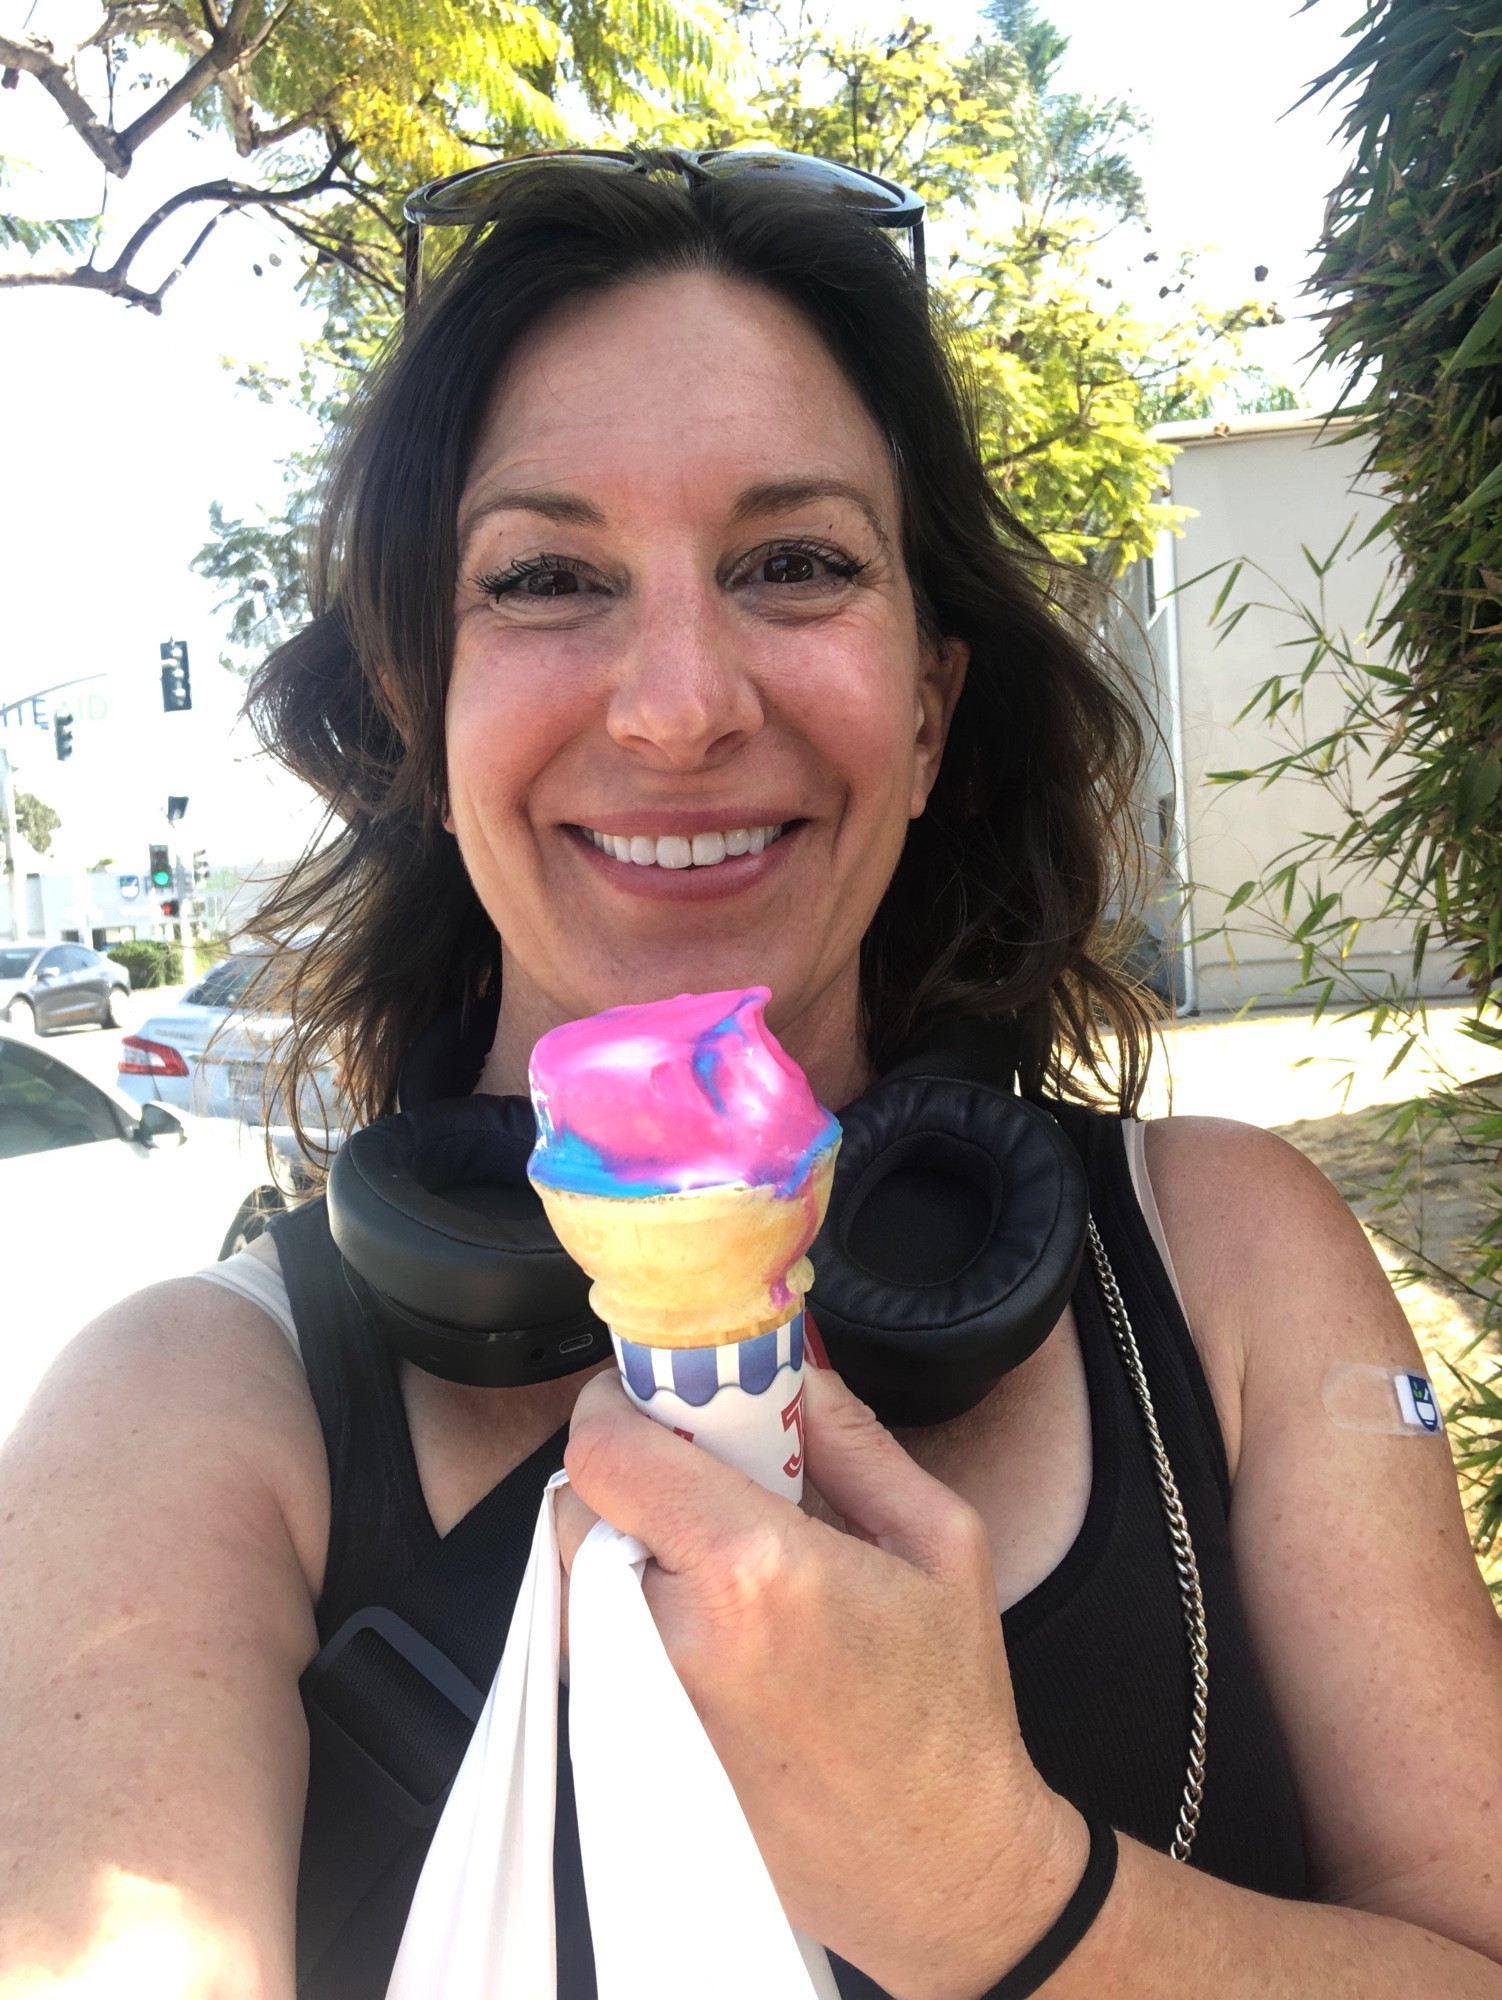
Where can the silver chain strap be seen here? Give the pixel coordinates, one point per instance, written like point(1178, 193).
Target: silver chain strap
point(1190, 1594)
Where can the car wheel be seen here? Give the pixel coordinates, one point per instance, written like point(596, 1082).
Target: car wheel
point(251, 1221)
point(22, 1017)
point(113, 1016)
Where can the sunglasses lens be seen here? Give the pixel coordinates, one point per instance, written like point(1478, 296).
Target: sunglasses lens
point(465, 197)
point(885, 203)
point(471, 197)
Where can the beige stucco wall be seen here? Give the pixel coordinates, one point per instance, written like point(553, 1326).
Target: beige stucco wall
point(1265, 492)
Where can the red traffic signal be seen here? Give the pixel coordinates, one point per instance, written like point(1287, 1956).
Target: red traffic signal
point(170, 908)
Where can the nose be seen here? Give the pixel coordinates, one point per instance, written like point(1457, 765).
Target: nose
point(684, 697)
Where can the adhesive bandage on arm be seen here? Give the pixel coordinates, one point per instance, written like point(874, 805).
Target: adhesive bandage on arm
point(1392, 1402)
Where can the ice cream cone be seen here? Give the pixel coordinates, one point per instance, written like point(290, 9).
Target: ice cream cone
point(686, 1166)
point(698, 1268)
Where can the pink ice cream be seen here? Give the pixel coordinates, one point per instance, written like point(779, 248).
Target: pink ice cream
point(676, 1094)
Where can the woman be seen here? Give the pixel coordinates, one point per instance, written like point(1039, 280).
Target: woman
point(670, 635)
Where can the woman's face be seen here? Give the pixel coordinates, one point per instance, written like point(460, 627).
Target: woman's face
point(690, 713)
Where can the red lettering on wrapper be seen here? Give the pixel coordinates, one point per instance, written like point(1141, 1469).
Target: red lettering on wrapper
point(677, 1433)
point(792, 1420)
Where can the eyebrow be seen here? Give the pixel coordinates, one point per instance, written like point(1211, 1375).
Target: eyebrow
point(771, 496)
point(774, 495)
point(569, 509)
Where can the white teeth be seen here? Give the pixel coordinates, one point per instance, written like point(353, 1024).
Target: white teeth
point(675, 850)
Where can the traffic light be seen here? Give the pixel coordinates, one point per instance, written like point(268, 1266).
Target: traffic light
point(170, 907)
point(177, 689)
point(200, 868)
point(62, 734)
point(161, 868)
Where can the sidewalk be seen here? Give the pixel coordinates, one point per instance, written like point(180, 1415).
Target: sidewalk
point(1273, 1069)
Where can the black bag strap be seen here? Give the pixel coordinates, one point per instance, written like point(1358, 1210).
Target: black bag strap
point(394, 1694)
point(392, 1700)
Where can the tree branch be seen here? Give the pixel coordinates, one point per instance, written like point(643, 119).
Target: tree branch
point(229, 44)
point(315, 115)
point(219, 56)
point(38, 60)
point(149, 17)
point(114, 280)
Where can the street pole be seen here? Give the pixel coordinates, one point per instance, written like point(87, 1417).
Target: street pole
point(184, 921)
point(12, 858)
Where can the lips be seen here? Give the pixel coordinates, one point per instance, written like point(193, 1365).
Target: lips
point(677, 850)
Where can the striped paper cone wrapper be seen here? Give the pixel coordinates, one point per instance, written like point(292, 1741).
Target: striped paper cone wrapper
point(742, 1401)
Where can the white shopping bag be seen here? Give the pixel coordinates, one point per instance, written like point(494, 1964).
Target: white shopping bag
point(680, 1902)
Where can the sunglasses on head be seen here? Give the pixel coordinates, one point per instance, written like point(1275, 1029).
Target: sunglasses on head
point(467, 198)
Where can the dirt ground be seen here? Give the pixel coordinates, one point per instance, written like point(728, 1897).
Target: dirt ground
point(1324, 1088)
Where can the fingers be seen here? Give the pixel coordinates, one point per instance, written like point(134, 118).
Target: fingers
point(881, 1494)
point(573, 1521)
point(690, 1510)
point(685, 1506)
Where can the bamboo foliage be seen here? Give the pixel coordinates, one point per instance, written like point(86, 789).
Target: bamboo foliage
point(1412, 266)
point(1411, 272)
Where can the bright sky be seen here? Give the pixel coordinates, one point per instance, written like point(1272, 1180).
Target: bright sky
point(121, 429)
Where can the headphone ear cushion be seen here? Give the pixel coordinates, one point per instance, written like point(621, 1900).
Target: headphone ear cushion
point(432, 1208)
point(954, 1236)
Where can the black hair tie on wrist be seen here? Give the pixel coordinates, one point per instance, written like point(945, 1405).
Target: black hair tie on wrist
point(1072, 1922)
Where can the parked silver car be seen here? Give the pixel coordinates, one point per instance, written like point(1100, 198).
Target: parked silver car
point(214, 1053)
point(46, 986)
point(100, 1196)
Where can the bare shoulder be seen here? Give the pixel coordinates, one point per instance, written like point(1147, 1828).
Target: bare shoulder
point(1234, 1190)
point(1263, 1246)
point(163, 1527)
point(194, 1370)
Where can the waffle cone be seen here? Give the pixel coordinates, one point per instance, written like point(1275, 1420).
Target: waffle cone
point(696, 1269)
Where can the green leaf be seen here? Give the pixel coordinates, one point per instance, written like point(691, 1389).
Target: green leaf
point(1486, 266)
point(1225, 590)
point(1489, 489)
point(1402, 1055)
point(1472, 351)
point(1478, 784)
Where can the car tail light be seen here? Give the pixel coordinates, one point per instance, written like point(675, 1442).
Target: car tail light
point(143, 1058)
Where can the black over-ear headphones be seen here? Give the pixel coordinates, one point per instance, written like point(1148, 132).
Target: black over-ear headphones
point(953, 1240)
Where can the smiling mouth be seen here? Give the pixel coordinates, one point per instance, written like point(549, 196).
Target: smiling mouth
point(676, 850)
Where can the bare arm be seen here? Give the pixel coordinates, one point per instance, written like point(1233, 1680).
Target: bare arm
point(917, 1840)
point(163, 1523)
point(1379, 1642)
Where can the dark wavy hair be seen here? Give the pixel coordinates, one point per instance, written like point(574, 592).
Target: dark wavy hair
point(1001, 901)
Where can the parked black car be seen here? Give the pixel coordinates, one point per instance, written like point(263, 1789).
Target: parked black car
point(45, 986)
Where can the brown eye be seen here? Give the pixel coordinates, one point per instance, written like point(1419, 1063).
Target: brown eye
point(791, 566)
point(542, 579)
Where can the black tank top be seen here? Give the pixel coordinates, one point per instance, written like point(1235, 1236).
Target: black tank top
point(1098, 1651)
